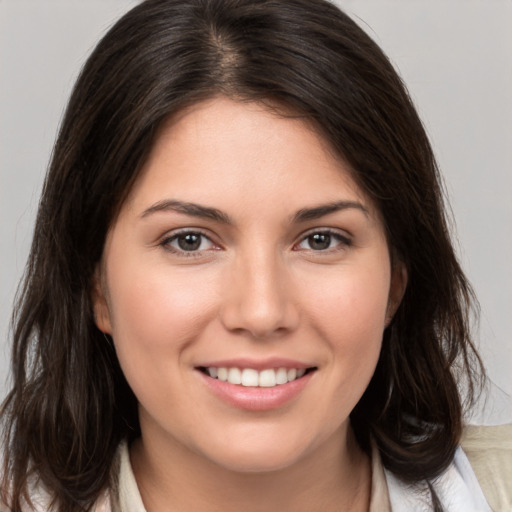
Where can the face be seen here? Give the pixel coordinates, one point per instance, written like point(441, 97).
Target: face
point(246, 284)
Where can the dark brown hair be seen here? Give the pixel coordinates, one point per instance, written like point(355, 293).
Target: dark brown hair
point(70, 405)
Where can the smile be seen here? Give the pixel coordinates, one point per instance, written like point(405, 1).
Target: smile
point(249, 377)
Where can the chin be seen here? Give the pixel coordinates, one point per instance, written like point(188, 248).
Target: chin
point(258, 454)
point(250, 462)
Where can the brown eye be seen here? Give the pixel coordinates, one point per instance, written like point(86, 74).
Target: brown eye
point(323, 241)
point(188, 242)
point(319, 241)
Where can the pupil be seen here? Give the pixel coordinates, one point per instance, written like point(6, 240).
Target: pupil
point(189, 242)
point(320, 241)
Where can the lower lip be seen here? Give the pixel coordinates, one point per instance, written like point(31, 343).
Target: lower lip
point(256, 398)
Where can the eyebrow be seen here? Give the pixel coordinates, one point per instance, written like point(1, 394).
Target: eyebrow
point(317, 212)
point(192, 209)
point(205, 212)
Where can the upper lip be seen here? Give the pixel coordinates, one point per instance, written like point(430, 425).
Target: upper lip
point(256, 364)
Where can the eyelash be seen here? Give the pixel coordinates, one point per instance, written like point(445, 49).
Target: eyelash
point(166, 243)
point(344, 242)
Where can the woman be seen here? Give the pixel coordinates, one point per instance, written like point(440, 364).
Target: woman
point(241, 291)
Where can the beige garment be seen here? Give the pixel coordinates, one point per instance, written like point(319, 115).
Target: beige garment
point(489, 450)
point(379, 499)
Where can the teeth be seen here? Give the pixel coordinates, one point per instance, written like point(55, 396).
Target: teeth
point(222, 374)
point(234, 376)
point(252, 378)
point(267, 379)
point(249, 377)
point(281, 376)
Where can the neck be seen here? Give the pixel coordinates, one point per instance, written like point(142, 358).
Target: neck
point(337, 476)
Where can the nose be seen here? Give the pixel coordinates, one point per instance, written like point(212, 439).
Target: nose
point(259, 297)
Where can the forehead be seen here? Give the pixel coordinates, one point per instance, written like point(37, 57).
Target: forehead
point(222, 149)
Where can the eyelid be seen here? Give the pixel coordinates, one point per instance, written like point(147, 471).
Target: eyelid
point(170, 236)
point(344, 238)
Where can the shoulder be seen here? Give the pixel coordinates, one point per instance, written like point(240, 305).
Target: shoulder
point(489, 450)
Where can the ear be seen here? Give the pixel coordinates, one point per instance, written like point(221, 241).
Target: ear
point(100, 301)
point(396, 290)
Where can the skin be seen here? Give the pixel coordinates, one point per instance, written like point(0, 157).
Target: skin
point(256, 288)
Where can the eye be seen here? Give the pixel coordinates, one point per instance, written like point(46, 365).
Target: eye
point(323, 241)
point(188, 241)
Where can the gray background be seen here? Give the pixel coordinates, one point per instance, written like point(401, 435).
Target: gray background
point(454, 55)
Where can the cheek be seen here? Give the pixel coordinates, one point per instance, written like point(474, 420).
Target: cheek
point(349, 314)
point(156, 314)
point(157, 300)
point(351, 305)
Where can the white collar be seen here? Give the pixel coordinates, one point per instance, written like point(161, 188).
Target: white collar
point(457, 489)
